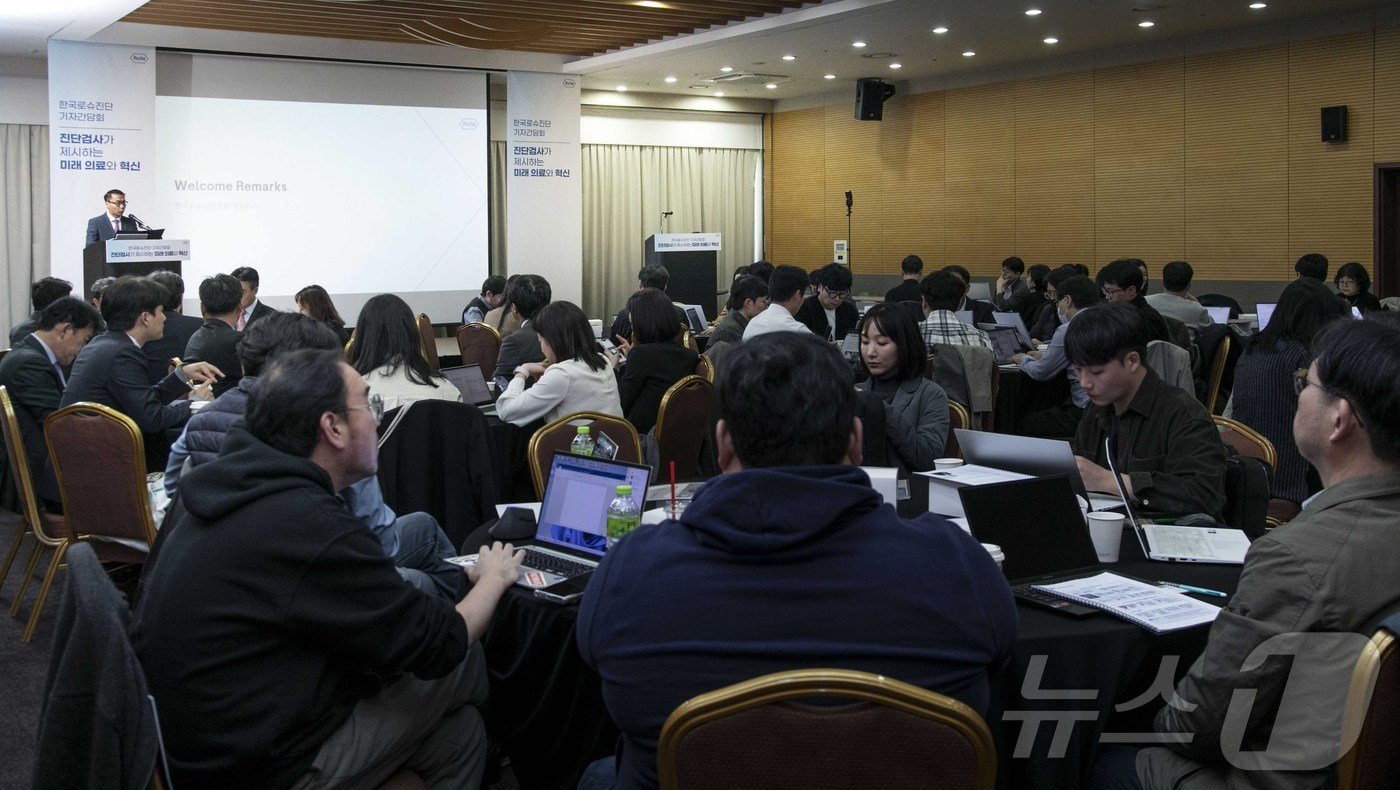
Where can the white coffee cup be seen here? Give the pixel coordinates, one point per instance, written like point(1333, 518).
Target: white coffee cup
point(997, 555)
point(947, 463)
point(1106, 530)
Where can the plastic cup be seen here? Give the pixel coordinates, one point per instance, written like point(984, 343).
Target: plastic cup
point(1106, 530)
point(947, 463)
point(997, 555)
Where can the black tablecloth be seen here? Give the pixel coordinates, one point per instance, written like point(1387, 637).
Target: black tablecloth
point(509, 452)
point(1019, 395)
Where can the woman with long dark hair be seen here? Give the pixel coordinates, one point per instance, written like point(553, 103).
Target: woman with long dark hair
point(313, 301)
point(574, 376)
point(916, 409)
point(388, 352)
point(656, 359)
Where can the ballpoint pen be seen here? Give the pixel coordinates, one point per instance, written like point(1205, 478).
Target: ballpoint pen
point(1199, 590)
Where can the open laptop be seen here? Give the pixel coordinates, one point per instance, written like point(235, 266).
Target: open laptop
point(571, 534)
point(1004, 343)
point(695, 317)
point(964, 316)
point(1029, 456)
point(1039, 527)
point(1266, 311)
point(1171, 543)
point(1014, 321)
point(1219, 315)
point(979, 290)
point(470, 380)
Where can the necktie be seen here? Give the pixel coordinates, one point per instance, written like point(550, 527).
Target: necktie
point(242, 320)
point(116, 224)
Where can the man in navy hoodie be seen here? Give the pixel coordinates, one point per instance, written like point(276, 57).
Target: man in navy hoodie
point(786, 561)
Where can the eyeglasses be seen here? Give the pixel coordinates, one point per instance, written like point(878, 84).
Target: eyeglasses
point(117, 202)
point(1301, 382)
point(1109, 291)
point(838, 295)
point(375, 406)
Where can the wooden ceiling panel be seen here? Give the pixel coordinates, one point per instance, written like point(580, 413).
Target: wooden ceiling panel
point(563, 27)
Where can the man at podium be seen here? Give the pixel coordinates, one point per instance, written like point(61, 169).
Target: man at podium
point(107, 225)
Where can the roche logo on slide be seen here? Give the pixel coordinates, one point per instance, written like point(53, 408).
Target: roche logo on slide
point(569, 82)
point(139, 57)
point(469, 124)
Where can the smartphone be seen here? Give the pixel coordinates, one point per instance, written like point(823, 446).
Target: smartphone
point(610, 346)
point(566, 591)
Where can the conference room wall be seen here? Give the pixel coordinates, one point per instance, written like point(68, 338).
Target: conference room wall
point(1215, 159)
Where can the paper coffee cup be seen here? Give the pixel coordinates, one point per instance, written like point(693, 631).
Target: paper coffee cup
point(947, 463)
point(1106, 530)
point(997, 556)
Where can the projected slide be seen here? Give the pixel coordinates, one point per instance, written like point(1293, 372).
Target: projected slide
point(360, 199)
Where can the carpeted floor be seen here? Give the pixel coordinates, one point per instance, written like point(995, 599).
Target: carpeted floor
point(24, 667)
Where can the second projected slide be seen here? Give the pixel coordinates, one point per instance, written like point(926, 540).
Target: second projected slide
point(359, 199)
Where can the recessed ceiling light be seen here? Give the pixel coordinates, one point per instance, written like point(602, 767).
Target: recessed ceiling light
point(726, 69)
point(649, 4)
point(1032, 12)
point(940, 30)
point(622, 88)
point(969, 54)
point(1257, 6)
point(829, 77)
point(789, 57)
point(857, 44)
point(770, 86)
point(1052, 40)
point(1146, 24)
point(896, 65)
point(670, 79)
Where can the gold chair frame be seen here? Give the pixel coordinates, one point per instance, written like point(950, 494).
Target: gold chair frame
point(705, 369)
point(537, 472)
point(1270, 454)
point(800, 683)
point(958, 417)
point(1217, 373)
point(427, 343)
point(688, 382)
point(1363, 681)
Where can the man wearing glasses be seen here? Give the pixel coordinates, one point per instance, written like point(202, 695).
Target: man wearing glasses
point(107, 225)
point(829, 313)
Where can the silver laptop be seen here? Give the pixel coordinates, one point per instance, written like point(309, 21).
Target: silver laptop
point(1030, 456)
point(470, 380)
point(695, 317)
point(1219, 315)
point(979, 290)
point(1172, 543)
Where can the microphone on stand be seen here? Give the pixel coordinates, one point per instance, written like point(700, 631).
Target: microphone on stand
point(139, 224)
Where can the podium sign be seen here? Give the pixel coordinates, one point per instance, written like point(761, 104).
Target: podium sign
point(147, 250)
point(686, 242)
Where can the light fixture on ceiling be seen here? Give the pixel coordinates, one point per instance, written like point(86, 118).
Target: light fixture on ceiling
point(969, 54)
point(622, 89)
point(1257, 6)
point(770, 86)
point(649, 4)
point(1052, 40)
point(940, 30)
point(857, 44)
point(1032, 12)
point(789, 57)
point(726, 69)
point(670, 79)
point(829, 77)
point(1146, 23)
point(720, 94)
point(896, 65)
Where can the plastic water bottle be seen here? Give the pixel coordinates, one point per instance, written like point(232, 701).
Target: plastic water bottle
point(623, 515)
point(582, 443)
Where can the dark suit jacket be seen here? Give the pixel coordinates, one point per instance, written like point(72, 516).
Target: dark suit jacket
point(36, 391)
point(522, 346)
point(100, 228)
point(22, 330)
point(651, 369)
point(179, 328)
point(217, 343)
point(812, 315)
point(260, 310)
point(112, 371)
point(906, 291)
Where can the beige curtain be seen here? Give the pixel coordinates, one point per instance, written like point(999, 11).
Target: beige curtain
point(625, 189)
point(24, 215)
point(496, 179)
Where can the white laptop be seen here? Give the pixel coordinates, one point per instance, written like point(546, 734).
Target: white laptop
point(977, 290)
point(1266, 311)
point(695, 316)
point(1219, 315)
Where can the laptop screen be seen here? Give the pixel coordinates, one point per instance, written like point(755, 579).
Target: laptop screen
point(1266, 311)
point(979, 290)
point(1037, 524)
point(1004, 343)
point(577, 493)
point(695, 316)
point(471, 382)
point(1220, 315)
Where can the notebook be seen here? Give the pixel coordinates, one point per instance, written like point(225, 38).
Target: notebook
point(1158, 609)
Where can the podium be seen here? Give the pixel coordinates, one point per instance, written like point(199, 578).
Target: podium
point(690, 260)
point(117, 257)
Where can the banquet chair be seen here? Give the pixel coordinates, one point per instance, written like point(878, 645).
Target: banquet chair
point(48, 529)
point(957, 418)
point(558, 434)
point(682, 421)
point(3, 352)
point(1247, 441)
point(425, 334)
point(99, 459)
point(1217, 373)
point(1372, 715)
point(705, 369)
point(479, 344)
point(688, 340)
point(764, 733)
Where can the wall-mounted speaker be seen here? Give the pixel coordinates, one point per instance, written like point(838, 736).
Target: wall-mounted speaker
point(871, 94)
point(1334, 124)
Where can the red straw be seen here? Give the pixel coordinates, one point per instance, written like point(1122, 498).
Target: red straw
point(673, 489)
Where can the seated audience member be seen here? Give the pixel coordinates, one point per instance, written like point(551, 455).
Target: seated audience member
point(1176, 300)
point(1122, 281)
point(279, 644)
point(216, 341)
point(942, 293)
point(1146, 276)
point(1263, 397)
point(32, 374)
point(1166, 448)
point(1312, 265)
point(1076, 293)
point(414, 541)
point(526, 294)
point(1038, 300)
point(829, 312)
point(388, 352)
point(794, 524)
point(112, 371)
point(501, 316)
point(761, 269)
point(1012, 290)
point(253, 309)
point(981, 310)
point(179, 328)
point(573, 376)
point(912, 269)
point(315, 302)
point(493, 292)
point(1328, 571)
point(41, 295)
point(916, 409)
point(1354, 285)
point(99, 287)
point(653, 276)
point(785, 288)
point(1049, 319)
point(748, 297)
point(656, 361)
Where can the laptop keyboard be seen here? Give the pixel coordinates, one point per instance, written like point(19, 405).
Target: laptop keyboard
point(1181, 542)
point(557, 565)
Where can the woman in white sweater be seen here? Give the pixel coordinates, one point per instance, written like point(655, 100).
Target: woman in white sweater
point(574, 376)
point(388, 352)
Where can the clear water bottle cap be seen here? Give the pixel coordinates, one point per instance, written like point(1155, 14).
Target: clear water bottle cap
point(624, 490)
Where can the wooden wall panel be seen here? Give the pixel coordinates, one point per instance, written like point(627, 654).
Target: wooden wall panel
point(852, 164)
point(1055, 170)
point(1329, 189)
point(980, 173)
point(911, 164)
point(1387, 96)
point(1138, 159)
point(1236, 198)
point(799, 145)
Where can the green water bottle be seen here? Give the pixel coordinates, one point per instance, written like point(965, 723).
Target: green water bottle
point(623, 515)
point(582, 443)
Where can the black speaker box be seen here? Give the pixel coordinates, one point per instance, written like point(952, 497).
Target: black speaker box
point(871, 94)
point(1334, 124)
